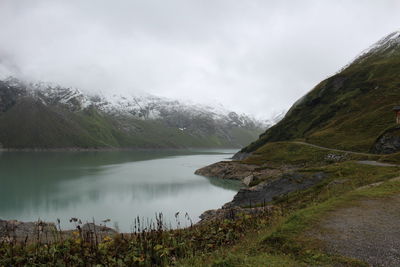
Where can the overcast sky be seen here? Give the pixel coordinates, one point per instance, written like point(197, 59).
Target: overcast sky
point(253, 56)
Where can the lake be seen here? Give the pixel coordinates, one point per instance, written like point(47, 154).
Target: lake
point(116, 185)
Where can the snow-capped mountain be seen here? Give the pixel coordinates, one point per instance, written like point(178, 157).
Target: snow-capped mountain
point(126, 111)
point(388, 46)
point(351, 110)
point(141, 106)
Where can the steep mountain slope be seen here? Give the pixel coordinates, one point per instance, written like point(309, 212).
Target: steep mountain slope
point(349, 110)
point(48, 116)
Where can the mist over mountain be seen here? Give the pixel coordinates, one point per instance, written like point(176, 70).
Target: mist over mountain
point(119, 123)
point(353, 109)
point(44, 115)
point(254, 57)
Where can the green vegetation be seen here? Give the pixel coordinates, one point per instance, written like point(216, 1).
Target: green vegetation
point(272, 238)
point(392, 158)
point(301, 154)
point(346, 111)
point(285, 241)
point(150, 245)
point(31, 124)
point(291, 238)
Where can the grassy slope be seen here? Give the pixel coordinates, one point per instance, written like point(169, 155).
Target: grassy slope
point(30, 124)
point(272, 239)
point(346, 111)
point(300, 154)
point(283, 242)
point(289, 237)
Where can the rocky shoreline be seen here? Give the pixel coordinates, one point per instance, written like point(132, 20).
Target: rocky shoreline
point(265, 192)
point(45, 232)
point(263, 184)
point(248, 174)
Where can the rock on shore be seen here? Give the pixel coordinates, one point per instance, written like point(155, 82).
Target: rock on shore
point(25, 231)
point(264, 184)
point(246, 173)
point(266, 192)
point(39, 231)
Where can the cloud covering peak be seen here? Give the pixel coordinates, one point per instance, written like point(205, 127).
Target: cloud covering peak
point(254, 56)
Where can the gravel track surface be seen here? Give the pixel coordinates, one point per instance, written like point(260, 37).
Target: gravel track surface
point(369, 231)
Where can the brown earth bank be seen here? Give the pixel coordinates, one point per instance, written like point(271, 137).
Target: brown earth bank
point(368, 231)
point(263, 184)
point(265, 192)
point(44, 232)
point(269, 181)
point(248, 174)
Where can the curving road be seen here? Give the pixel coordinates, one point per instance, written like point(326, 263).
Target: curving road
point(365, 162)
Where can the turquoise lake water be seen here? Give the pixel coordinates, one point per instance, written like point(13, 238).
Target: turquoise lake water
point(116, 185)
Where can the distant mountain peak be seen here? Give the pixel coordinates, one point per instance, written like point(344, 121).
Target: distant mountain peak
point(349, 110)
point(52, 116)
point(142, 106)
point(387, 45)
point(392, 39)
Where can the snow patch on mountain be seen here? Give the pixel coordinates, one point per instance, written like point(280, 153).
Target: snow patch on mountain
point(142, 106)
point(389, 42)
point(383, 44)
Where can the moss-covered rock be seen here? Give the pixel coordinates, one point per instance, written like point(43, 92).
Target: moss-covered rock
point(388, 142)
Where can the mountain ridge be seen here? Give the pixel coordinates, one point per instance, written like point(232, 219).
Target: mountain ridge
point(348, 110)
point(96, 120)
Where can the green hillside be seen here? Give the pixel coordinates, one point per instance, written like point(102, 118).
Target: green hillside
point(310, 202)
point(28, 123)
point(348, 110)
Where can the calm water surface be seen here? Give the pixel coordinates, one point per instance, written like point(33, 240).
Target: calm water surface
point(118, 185)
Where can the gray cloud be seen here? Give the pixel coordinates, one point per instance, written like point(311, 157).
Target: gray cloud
point(253, 56)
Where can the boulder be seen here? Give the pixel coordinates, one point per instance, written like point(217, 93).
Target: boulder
point(248, 180)
point(248, 174)
point(388, 142)
point(29, 231)
point(266, 192)
point(40, 231)
point(227, 170)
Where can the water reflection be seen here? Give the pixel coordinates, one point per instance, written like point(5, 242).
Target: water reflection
point(118, 185)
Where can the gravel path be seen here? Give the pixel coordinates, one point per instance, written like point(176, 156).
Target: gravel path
point(369, 231)
point(365, 162)
point(333, 149)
